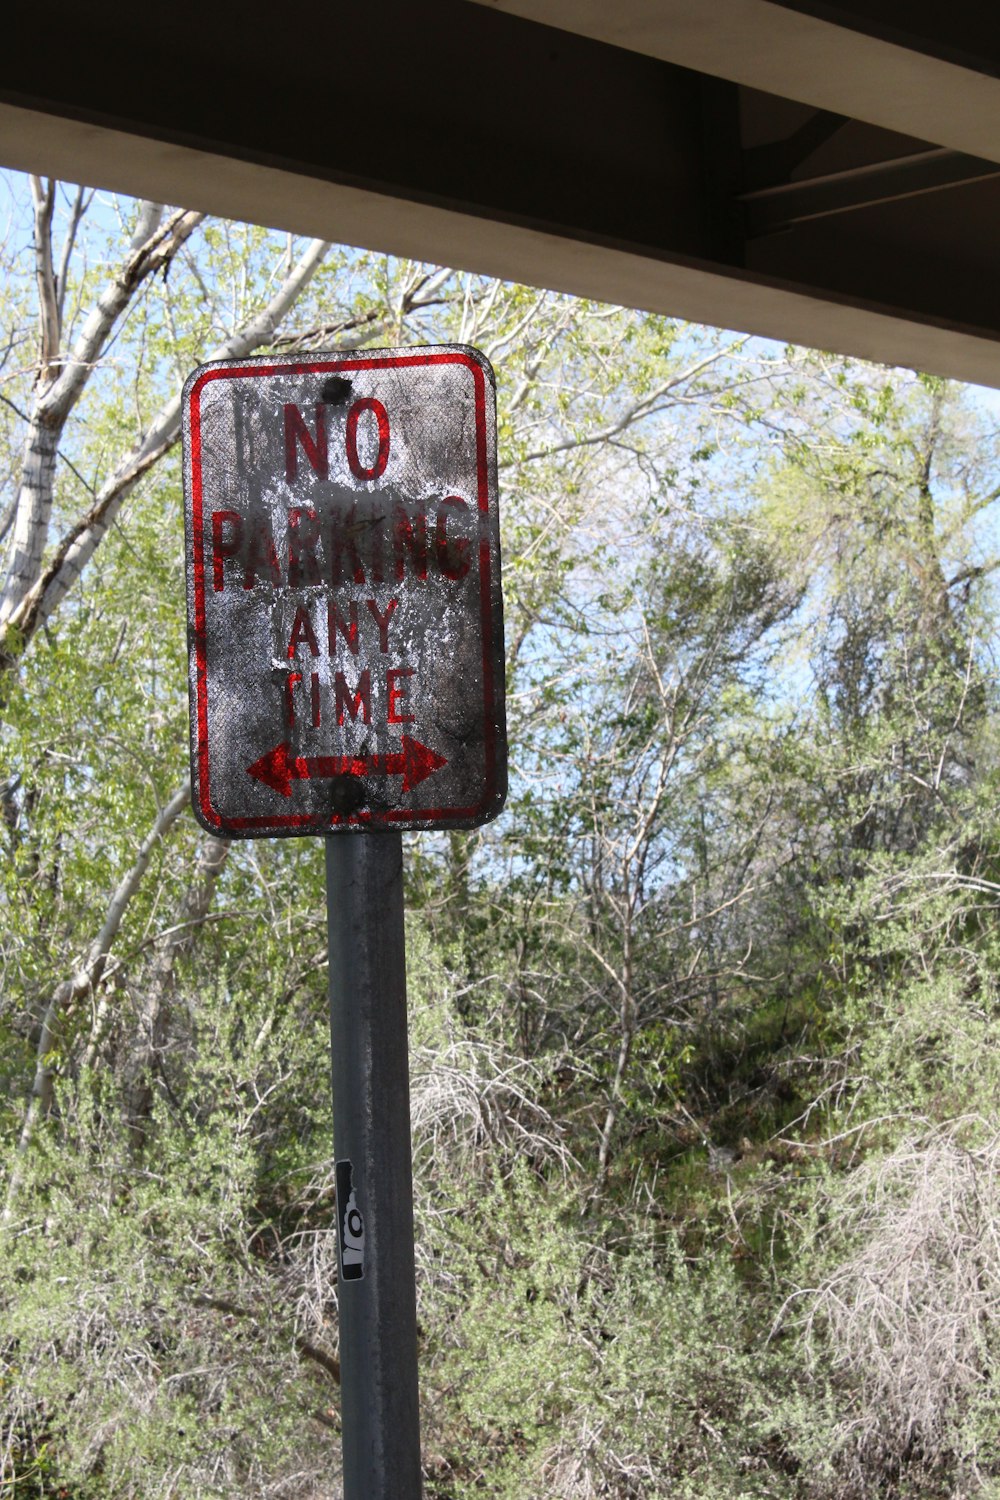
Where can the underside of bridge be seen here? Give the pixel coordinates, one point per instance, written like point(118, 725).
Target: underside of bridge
point(822, 173)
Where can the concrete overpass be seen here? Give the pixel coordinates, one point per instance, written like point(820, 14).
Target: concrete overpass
point(825, 173)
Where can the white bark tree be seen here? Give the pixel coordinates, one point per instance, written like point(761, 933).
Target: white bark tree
point(35, 584)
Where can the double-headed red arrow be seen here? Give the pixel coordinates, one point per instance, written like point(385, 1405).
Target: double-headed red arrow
point(279, 767)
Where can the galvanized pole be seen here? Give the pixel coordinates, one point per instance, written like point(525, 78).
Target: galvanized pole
point(371, 1126)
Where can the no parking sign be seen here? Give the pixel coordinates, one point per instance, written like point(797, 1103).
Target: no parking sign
point(345, 619)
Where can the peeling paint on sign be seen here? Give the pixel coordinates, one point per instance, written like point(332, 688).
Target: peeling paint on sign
point(344, 610)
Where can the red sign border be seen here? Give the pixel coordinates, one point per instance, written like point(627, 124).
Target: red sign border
point(287, 824)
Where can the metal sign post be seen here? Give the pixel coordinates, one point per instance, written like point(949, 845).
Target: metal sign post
point(371, 1126)
point(346, 679)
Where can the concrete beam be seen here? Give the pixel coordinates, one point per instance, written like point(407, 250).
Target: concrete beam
point(122, 162)
point(798, 56)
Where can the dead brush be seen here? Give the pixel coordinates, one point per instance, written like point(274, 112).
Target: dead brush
point(472, 1100)
point(904, 1321)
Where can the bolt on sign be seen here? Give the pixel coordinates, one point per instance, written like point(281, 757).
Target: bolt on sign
point(344, 610)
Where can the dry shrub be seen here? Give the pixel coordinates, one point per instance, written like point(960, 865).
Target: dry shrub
point(307, 1279)
point(905, 1319)
point(594, 1462)
point(473, 1100)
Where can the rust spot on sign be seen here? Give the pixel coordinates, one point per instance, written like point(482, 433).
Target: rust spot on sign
point(335, 391)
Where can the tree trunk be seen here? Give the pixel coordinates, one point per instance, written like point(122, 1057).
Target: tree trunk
point(84, 979)
point(144, 1054)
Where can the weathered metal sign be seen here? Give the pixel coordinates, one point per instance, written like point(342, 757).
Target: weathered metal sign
point(343, 564)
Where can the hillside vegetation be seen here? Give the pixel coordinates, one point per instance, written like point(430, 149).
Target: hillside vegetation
point(704, 1028)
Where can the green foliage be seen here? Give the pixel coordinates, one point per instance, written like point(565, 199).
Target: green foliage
point(145, 1349)
point(703, 1029)
point(580, 1369)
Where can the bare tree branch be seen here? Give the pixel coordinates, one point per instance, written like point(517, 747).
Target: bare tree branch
point(78, 545)
point(646, 407)
point(304, 1347)
point(156, 989)
point(63, 380)
point(49, 322)
point(81, 203)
